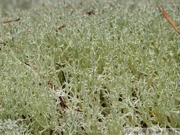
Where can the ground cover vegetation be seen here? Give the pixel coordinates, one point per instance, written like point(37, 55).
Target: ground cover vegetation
point(89, 67)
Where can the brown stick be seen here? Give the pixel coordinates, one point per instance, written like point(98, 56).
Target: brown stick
point(10, 21)
point(169, 19)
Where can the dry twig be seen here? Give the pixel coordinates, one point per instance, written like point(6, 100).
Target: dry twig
point(10, 21)
point(169, 19)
